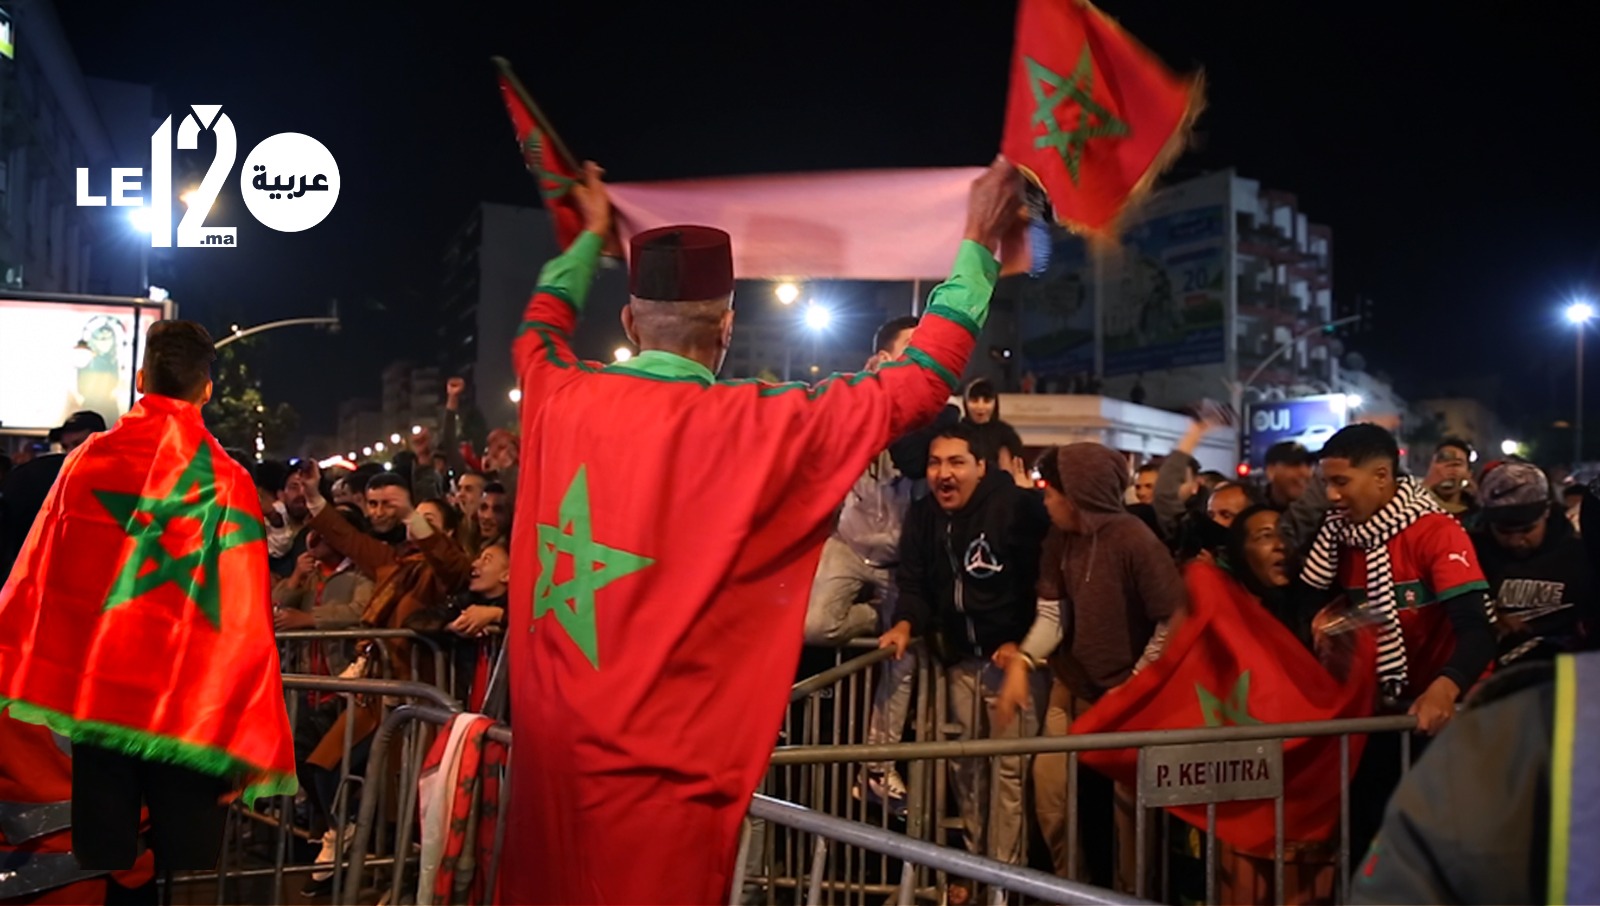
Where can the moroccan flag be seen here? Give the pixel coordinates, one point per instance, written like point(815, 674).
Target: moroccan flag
point(138, 616)
point(1093, 117)
point(1231, 664)
point(545, 156)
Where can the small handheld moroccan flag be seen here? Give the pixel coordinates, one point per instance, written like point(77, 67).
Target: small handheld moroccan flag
point(1231, 664)
point(1093, 117)
point(138, 616)
point(546, 157)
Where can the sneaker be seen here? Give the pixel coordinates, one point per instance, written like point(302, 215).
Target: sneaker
point(885, 788)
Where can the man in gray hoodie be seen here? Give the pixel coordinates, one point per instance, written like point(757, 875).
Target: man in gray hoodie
point(1117, 590)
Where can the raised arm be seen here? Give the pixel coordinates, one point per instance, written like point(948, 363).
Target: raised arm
point(852, 417)
point(369, 554)
point(543, 348)
point(450, 564)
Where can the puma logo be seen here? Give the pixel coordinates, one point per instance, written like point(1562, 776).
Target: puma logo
point(1461, 557)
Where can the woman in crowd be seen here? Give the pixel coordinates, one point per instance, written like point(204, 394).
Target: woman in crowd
point(471, 624)
point(1257, 560)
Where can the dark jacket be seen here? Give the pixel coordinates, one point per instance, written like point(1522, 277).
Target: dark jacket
point(21, 499)
point(1471, 823)
point(991, 435)
point(994, 541)
point(1553, 591)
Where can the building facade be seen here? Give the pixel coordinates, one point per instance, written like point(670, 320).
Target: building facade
point(489, 270)
point(1217, 282)
point(54, 120)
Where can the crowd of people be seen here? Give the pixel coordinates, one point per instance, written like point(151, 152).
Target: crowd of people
point(421, 543)
point(1038, 586)
point(1041, 590)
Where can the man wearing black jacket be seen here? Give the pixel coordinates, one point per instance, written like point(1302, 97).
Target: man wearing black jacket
point(1541, 580)
point(969, 561)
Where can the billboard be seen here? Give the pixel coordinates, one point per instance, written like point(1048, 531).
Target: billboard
point(1308, 421)
point(1166, 303)
point(57, 358)
point(1057, 314)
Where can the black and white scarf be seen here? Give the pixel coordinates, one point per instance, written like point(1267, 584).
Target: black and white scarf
point(1411, 502)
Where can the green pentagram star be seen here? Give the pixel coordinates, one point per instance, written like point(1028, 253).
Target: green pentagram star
point(208, 527)
point(1051, 91)
point(594, 566)
point(1233, 711)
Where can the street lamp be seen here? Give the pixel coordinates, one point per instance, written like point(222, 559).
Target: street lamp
point(622, 354)
point(818, 317)
point(378, 446)
point(1579, 314)
point(1509, 447)
point(787, 293)
point(236, 333)
point(515, 395)
point(394, 438)
point(366, 451)
point(1353, 401)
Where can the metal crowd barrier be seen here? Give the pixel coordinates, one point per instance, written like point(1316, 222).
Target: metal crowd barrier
point(277, 813)
point(808, 766)
point(443, 666)
point(823, 828)
point(810, 835)
point(912, 852)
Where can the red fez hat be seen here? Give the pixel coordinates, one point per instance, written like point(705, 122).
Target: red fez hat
point(680, 264)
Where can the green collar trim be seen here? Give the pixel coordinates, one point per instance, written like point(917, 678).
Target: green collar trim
point(660, 365)
point(148, 746)
point(1414, 594)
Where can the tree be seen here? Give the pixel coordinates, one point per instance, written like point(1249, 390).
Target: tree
point(237, 413)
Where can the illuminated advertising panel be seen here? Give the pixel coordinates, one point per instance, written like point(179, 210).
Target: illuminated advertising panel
point(57, 358)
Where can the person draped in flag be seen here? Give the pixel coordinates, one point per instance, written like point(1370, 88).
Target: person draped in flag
point(666, 536)
point(1394, 552)
point(151, 551)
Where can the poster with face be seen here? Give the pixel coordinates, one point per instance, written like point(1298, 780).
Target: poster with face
point(57, 358)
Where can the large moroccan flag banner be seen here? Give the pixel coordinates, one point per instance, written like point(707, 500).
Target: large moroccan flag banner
point(1232, 664)
point(551, 164)
point(1093, 117)
point(138, 616)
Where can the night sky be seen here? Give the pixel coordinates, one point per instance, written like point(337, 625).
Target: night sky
point(1451, 149)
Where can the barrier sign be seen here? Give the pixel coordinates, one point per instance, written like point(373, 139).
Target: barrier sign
point(1211, 772)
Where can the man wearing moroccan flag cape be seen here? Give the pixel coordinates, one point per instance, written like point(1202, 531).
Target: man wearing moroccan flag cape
point(137, 623)
point(667, 532)
point(1231, 663)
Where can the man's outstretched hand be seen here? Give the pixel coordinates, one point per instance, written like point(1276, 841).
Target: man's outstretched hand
point(995, 208)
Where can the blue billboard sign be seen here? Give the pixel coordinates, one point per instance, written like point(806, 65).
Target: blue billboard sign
point(1166, 306)
point(1308, 421)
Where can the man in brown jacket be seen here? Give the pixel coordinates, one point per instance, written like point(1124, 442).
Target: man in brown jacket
point(1116, 588)
point(407, 578)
